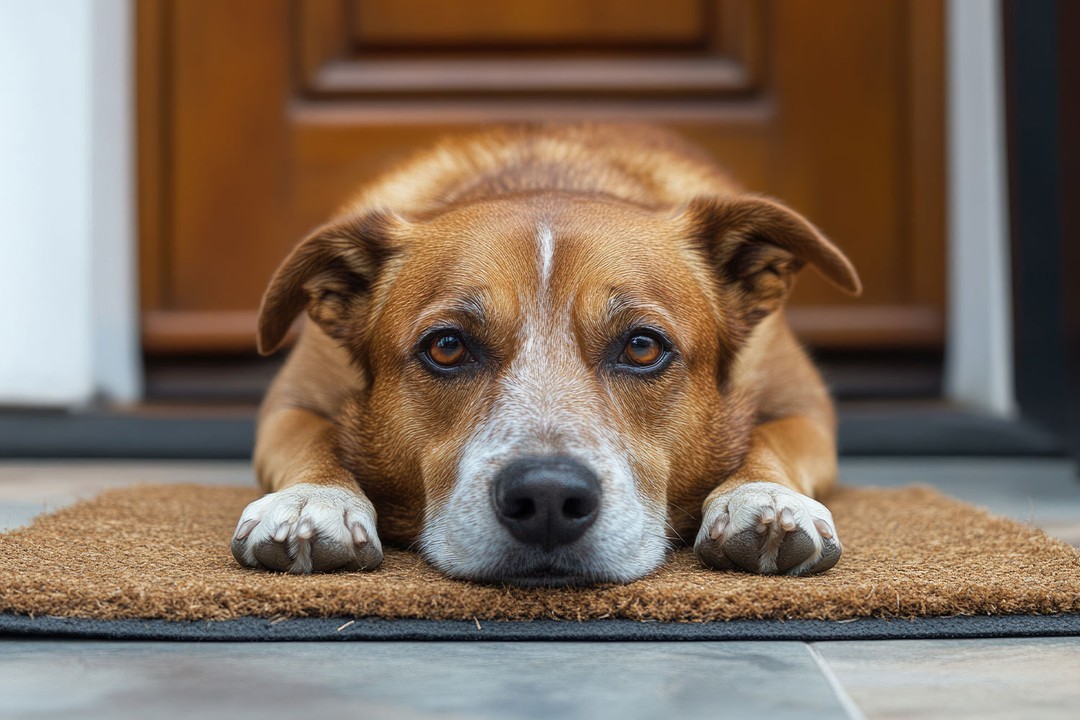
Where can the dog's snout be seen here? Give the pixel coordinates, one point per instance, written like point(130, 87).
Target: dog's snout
point(546, 501)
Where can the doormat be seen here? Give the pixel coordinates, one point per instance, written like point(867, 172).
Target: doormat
point(153, 562)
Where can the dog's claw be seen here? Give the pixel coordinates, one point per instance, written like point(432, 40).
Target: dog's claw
point(768, 528)
point(719, 526)
point(359, 537)
point(244, 528)
point(787, 520)
point(308, 528)
point(281, 531)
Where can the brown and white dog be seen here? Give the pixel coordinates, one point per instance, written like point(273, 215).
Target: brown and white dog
point(545, 355)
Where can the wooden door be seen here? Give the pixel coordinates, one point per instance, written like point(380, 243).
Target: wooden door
point(258, 117)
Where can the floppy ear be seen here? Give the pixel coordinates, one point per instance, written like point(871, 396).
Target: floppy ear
point(329, 274)
point(758, 245)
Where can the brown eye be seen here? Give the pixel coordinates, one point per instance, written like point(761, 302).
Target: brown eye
point(447, 350)
point(643, 350)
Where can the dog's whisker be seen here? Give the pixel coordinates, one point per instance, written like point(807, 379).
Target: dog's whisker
point(672, 528)
point(685, 512)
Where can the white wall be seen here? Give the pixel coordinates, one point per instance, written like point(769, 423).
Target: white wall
point(67, 283)
point(979, 369)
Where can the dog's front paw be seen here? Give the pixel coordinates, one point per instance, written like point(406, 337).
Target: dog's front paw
point(764, 527)
point(308, 528)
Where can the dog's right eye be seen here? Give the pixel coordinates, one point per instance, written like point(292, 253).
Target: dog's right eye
point(447, 350)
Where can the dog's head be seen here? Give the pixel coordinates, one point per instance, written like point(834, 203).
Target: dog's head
point(547, 375)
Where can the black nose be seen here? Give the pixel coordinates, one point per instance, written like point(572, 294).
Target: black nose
point(547, 501)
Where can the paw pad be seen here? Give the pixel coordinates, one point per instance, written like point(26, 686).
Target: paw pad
point(308, 528)
point(768, 528)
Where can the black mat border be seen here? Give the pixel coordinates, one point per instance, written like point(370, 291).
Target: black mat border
point(254, 629)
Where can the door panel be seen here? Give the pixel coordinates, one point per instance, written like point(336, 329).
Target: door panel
point(259, 117)
point(421, 26)
point(549, 48)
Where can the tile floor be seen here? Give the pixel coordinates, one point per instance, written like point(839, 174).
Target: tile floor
point(1028, 678)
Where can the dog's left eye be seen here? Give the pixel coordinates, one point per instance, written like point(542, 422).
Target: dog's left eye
point(644, 351)
point(447, 350)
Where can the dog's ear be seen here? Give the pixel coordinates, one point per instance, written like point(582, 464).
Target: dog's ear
point(757, 245)
point(329, 273)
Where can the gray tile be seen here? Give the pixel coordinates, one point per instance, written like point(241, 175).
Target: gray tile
point(1002, 678)
point(17, 514)
point(43, 679)
point(48, 478)
point(28, 488)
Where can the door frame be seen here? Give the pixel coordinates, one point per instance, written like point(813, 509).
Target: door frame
point(67, 192)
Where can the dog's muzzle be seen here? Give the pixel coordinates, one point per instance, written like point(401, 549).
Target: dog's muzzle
point(546, 501)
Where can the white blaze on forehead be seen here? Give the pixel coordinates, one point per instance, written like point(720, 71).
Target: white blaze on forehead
point(545, 252)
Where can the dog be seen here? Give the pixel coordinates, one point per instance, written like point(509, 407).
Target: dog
point(546, 355)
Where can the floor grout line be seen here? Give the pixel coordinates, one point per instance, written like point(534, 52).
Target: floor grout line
point(841, 693)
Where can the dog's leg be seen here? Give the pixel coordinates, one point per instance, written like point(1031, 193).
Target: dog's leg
point(315, 518)
point(764, 518)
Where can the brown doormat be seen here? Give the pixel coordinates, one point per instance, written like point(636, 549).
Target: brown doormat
point(163, 552)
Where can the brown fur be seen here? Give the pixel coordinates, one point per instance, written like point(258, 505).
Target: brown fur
point(644, 222)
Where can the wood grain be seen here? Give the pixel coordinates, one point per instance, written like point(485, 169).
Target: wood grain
point(257, 118)
point(422, 24)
